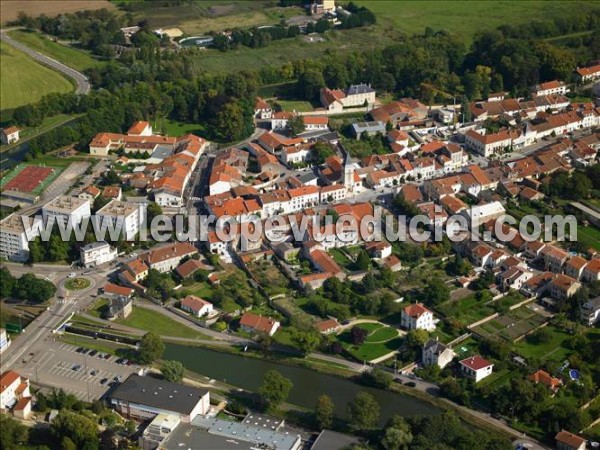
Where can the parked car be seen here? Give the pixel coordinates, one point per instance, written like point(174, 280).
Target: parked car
point(72, 275)
point(94, 373)
point(76, 367)
point(103, 381)
point(411, 384)
point(93, 353)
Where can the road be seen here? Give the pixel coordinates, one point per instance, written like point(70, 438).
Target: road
point(83, 84)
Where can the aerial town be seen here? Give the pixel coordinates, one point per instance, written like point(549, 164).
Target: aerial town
point(208, 244)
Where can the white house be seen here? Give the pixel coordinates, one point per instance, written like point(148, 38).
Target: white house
point(590, 312)
point(476, 368)
point(434, 352)
point(65, 209)
point(197, 306)
point(13, 387)
point(262, 109)
point(417, 317)
point(128, 216)
point(279, 120)
point(167, 258)
point(9, 135)
point(253, 323)
point(96, 254)
point(480, 214)
point(586, 74)
point(315, 123)
point(549, 88)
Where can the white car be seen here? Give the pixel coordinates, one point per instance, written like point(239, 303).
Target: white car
point(72, 275)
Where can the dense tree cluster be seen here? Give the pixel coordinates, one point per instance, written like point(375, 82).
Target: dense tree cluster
point(27, 287)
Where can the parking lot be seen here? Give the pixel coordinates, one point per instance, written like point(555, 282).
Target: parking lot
point(87, 375)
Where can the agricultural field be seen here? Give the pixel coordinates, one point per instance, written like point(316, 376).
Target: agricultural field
point(24, 81)
point(589, 236)
point(464, 18)
point(512, 325)
point(268, 275)
point(11, 8)
point(77, 59)
point(554, 349)
point(380, 341)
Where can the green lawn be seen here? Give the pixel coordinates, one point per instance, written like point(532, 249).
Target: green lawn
point(175, 128)
point(380, 341)
point(98, 308)
point(589, 235)
point(553, 349)
point(466, 310)
point(295, 105)
point(72, 57)
point(24, 81)
point(146, 319)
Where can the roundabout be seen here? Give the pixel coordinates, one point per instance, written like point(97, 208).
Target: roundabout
point(77, 284)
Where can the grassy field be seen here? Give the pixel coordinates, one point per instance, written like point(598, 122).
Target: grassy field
point(589, 235)
point(553, 349)
point(465, 17)
point(174, 128)
point(98, 308)
point(77, 59)
point(30, 132)
point(201, 17)
point(23, 81)
point(295, 105)
point(146, 319)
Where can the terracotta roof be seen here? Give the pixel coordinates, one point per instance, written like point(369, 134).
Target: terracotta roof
point(416, 310)
point(261, 103)
point(189, 267)
point(326, 325)
point(563, 282)
point(137, 127)
point(316, 120)
point(194, 303)
point(475, 362)
point(8, 378)
point(22, 403)
point(177, 250)
point(137, 266)
point(583, 71)
point(111, 288)
point(545, 378)
point(570, 439)
point(111, 192)
point(257, 323)
point(9, 130)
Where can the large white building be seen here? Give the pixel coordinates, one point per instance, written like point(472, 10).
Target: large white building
point(96, 254)
point(434, 352)
point(166, 258)
point(66, 210)
point(144, 398)
point(15, 237)
point(488, 144)
point(357, 95)
point(128, 216)
point(4, 340)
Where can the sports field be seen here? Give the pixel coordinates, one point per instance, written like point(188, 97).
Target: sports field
point(77, 59)
point(23, 81)
point(29, 178)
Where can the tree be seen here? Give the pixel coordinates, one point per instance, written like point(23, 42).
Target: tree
point(436, 292)
point(310, 83)
point(32, 288)
point(274, 389)
point(363, 411)
point(79, 429)
point(362, 260)
point(151, 348)
point(296, 125)
point(306, 341)
point(324, 412)
point(396, 439)
point(321, 151)
point(14, 434)
point(172, 371)
point(7, 283)
point(358, 335)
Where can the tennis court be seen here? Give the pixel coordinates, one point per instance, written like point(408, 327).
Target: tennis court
point(30, 179)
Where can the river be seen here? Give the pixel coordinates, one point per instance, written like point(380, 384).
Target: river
point(247, 373)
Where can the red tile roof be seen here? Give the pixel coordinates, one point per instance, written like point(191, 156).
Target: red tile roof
point(416, 310)
point(137, 127)
point(476, 362)
point(258, 323)
point(570, 439)
point(8, 378)
point(194, 303)
point(111, 288)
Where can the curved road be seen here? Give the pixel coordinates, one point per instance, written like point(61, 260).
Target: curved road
point(83, 85)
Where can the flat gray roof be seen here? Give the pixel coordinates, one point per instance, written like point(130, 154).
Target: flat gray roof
point(158, 394)
point(332, 440)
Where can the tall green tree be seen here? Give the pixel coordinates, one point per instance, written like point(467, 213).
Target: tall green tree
point(274, 389)
point(151, 348)
point(363, 411)
point(172, 371)
point(324, 412)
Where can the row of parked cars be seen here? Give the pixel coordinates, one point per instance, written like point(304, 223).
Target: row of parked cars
point(87, 351)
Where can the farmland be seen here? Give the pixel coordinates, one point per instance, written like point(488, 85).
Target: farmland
point(77, 59)
point(465, 18)
point(11, 8)
point(24, 81)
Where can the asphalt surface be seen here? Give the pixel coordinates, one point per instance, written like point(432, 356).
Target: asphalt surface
point(83, 85)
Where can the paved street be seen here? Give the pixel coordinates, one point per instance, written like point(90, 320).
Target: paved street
point(83, 85)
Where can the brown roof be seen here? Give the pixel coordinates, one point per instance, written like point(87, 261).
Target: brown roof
point(570, 439)
point(194, 303)
point(257, 323)
point(416, 310)
point(177, 250)
point(545, 378)
point(475, 362)
point(22, 403)
point(326, 325)
point(8, 378)
point(189, 267)
point(111, 288)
